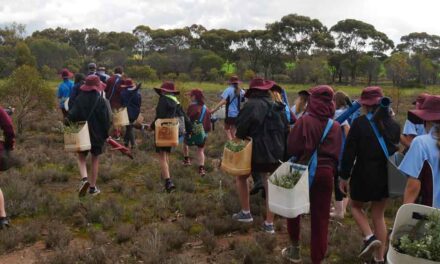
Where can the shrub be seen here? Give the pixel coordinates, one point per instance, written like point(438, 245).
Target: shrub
point(58, 236)
point(248, 75)
point(268, 242)
point(124, 233)
point(141, 72)
point(183, 77)
point(9, 239)
point(209, 241)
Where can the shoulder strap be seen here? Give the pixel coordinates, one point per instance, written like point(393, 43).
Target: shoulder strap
point(379, 137)
point(114, 86)
point(202, 116)
point(313, 164)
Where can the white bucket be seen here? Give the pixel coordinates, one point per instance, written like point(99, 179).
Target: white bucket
point(396, 179)
point(293, 202)
point(405, 219)
point(120, 117)
point(221, 113)
point(75, 142)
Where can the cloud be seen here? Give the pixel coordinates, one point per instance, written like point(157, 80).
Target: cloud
point(395, 18)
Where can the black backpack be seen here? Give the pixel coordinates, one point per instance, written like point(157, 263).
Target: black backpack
point(270, 141)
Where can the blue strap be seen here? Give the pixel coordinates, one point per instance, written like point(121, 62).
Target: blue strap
point(202, 116)
point(313, 164)
point(379, 137)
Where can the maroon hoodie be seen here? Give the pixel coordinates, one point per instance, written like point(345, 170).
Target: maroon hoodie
point(195, 110)
point(308, 130)
point(8, 130)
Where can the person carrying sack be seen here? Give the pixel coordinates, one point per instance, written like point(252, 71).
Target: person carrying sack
point(263, 120)
point(424, 149)
point(232, 98)
point(315, 139)
point(365, 164)
point(169, 107)
point(131, 98)
point(200, 116)
point(91, 106)
point(5, 147)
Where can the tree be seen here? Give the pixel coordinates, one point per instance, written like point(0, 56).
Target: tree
point(144, 39)
point(208, 62)
point(398, 68)
point(52, 54)
point(370, 67)
point(354, 37)
point(420, 42)
point(141, 72)
point(299, 34)
point(28, 93)
point(24, 55)
point(312, 69)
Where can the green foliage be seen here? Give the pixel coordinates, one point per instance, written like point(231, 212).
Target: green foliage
point(141, 72)
point(287, 181)
point(236, 145)
point(24, 55)
point(52, 54)
point(249, 75)
point(213, 74)
point(229, 68)
point(27, 92)
point(209, 62)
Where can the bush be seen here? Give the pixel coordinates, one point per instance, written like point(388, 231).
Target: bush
point(58, 236)
point(281, 78)
point(141, 72)
point(124, 233)
point(209, 241)
point(213, 75)
point(183, 77)
point(248, 75)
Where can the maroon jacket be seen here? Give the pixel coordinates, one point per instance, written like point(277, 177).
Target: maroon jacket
point(194, 111)
point(8, 130)
point(307, 131)
point(115, 101)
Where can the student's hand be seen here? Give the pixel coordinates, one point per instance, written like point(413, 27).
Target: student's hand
point(343, 186)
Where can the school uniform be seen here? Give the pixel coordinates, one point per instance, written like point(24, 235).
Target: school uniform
point(131, 98)
point(194, 113)
point(424, 150)
point(364, 161)
point(339, 196)
point(233, 103)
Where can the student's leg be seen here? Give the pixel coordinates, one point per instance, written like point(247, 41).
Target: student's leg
point(2, 205)
point(269, 215)
point(132, 136)
point(163, 160)
point(339, 201)
point(228, 134)
point(82, 165)
point(233, 130)
point(243, 192)
point(361, 218)
point(320, 202)
point(201, 156)
point(95, 168)
point(294, 230)
point(380, 228)
point(127, 136)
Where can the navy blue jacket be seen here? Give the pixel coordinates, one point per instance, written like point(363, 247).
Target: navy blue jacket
point(132, 100)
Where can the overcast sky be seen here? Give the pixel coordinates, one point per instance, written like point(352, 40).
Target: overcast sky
point(393, 17)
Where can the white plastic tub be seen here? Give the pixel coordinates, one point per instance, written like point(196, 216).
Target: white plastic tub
point(290, 203)
point(396, 179)
point(75, 142)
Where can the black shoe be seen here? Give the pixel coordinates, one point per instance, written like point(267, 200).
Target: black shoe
point(4, 223)
point(83, 187)
point(369, 246)
point(169, 186)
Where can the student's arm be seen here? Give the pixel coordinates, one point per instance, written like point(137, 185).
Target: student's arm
point(220, 104)
point(406, 140)
point(412, 190)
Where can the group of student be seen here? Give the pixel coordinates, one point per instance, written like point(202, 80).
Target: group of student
point(351, 157)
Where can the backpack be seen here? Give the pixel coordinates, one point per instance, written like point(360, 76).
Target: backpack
point(270, 142)
point(199, 135)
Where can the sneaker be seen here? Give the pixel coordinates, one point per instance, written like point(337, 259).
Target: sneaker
point(94, 191)
point(4, 223)
point(186, 162)
point(369, 246)
point(292, 254)
point(83, 187)
point(202, 171)
point(242, 217)
point(169, 186)
point(268, 228)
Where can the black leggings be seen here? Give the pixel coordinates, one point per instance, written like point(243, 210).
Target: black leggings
point(339, 196)
point(129, 136)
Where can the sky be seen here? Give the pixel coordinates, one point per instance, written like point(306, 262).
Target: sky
point(393, 17)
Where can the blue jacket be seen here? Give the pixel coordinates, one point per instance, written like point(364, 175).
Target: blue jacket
point(132, 100)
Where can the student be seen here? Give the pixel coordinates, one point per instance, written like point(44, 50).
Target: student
point(90, 106)
point(92, 71)
point(263, 120)
point(79, 81)
point(364, 162)
point(233, 98)
point(197, 111)
point(131, 98)
point(102, 73)
point(341, 201)
point(113, 94)
point(300, 105)
point(6, 145)
point(424, 149)
point(411, 130)
point(304, 139)
point(64, 90)
point(168, 107)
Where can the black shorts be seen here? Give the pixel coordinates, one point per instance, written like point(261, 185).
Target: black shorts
point(163, 149)
point(95, 150)
point(199, 145)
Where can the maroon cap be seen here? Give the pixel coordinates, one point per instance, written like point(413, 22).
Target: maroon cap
point(127, 83)
point(260, 84)
point(93, 83)
point(371, 96)
point(167, 87)
point(65, 73)
point(234, 80)
point(429, 111)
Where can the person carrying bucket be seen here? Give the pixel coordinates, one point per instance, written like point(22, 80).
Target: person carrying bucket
point(168, 107)
point(315, 131)
point(233, 98)
point(5, 146)
point(199, 114)
point(90, 106)
point(113, 92)
point(424, 149)
point(264, 120)
point(131, 98)
point(64, 90)
point(373, 137)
